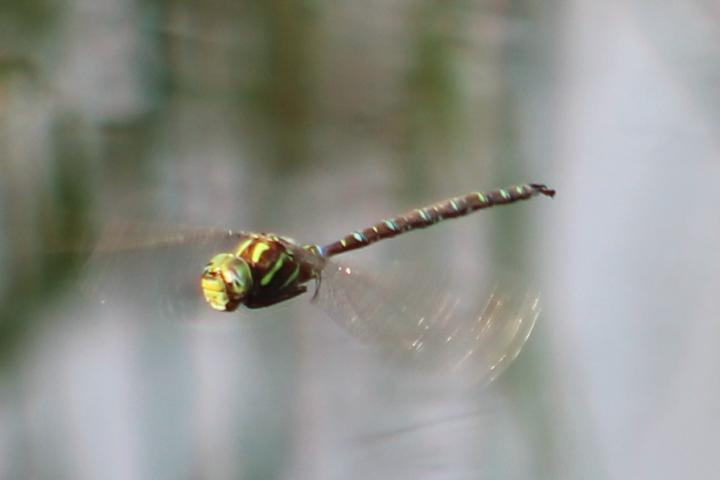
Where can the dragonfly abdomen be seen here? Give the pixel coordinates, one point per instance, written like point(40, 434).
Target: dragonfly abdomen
point(432, 214)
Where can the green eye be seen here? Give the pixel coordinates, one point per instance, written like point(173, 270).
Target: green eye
point(226, 282)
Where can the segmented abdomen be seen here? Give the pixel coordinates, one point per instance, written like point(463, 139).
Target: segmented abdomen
point(430, 215)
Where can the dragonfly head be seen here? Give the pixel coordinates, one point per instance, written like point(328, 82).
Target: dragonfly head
point(226, 282)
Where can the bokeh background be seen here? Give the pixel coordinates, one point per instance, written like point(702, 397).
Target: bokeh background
point(314, 118)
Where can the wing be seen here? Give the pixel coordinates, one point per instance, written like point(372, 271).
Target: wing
point(156, 268)
point(434, 321)
point(122, 236)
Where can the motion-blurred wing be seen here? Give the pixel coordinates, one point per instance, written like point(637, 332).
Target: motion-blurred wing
point(430, 320)
point(151, 266)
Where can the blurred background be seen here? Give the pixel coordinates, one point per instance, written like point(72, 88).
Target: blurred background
point(313, 119)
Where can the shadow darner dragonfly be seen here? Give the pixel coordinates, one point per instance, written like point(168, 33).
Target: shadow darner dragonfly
point(429, 323)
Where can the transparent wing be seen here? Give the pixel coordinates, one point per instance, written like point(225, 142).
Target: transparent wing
point(125, 236)
point(157, 268)
point(431, 320)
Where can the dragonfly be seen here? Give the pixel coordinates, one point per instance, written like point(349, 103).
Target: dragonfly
point(421, 319)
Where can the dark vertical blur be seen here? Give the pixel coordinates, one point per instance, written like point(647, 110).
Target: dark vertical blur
point(528, 64)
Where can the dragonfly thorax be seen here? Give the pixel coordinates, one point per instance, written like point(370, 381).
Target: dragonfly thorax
point(264, 269)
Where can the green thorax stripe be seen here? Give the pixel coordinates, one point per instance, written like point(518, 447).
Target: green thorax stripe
point(258, 250)
point(267, 278)
point(293, 276)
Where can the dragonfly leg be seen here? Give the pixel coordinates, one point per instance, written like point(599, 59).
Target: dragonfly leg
point(318, 282)
point(266, 302)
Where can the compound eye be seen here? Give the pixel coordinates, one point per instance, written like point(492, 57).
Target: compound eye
point(226, 282)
